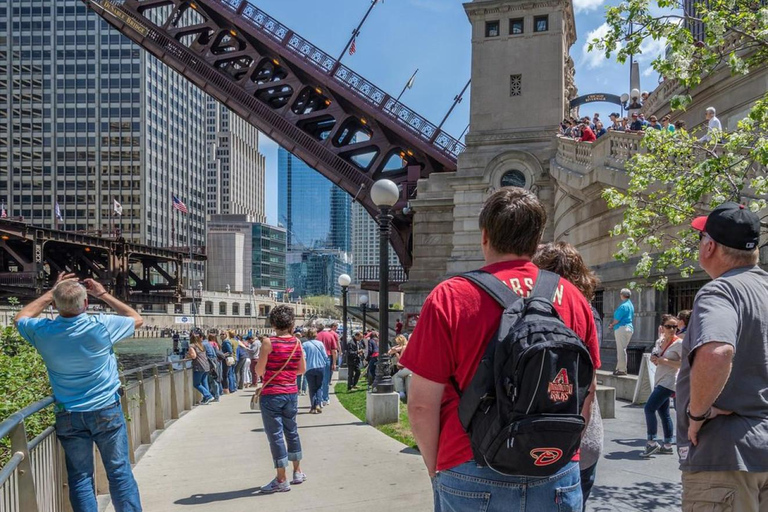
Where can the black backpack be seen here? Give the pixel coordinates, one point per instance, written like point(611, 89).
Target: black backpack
point(522, 409)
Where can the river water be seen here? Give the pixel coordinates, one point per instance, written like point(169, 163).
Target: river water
point(135, 352)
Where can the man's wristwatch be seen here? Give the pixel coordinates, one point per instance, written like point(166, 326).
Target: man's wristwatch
point(698, 418)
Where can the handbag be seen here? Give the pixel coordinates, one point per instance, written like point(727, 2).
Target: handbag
point(256, 398)
point(230, 361)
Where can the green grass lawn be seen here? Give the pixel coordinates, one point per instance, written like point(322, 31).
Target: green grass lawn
point(354, 402)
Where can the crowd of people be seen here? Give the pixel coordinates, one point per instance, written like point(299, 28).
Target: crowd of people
point(585, 129)
point(713, 358)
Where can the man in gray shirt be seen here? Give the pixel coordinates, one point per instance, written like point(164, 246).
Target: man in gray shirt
point(722, 388)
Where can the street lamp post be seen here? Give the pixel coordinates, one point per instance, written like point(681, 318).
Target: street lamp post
point(344, 282)
point(385, 195)
point(200, 296)
point(364, 305)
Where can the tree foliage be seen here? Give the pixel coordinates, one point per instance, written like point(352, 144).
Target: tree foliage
point(23, 381)
point(325, 304)
point(678, 176)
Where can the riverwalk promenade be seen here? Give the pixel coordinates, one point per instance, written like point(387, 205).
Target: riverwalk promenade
point(216, 457)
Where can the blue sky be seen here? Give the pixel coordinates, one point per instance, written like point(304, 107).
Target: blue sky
point(433, 36)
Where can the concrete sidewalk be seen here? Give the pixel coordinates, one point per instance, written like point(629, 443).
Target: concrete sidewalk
point(217, 456)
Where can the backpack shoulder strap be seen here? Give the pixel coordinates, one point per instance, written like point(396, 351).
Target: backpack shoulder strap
point(546, 285)
point(500, 293)
point(493, 287)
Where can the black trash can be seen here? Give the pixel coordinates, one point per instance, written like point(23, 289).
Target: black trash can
point(634, 358)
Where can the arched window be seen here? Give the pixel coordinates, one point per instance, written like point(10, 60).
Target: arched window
point(222, 308)
point(513, 178)
point(248, 309)
point(235, 308)
point(208, 307)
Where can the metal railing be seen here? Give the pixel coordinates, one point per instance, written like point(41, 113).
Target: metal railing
point(371, 273)
point(358, 85)
point(35, 477)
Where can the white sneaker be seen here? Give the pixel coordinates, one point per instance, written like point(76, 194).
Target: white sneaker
point(298, 477)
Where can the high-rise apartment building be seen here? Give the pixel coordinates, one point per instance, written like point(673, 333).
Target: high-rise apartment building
point(87, 118)
point(365, 242)
point(315, 212)
point(236, 170)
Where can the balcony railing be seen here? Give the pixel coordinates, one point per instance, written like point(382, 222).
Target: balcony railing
point(371, 273)
point(613, 150)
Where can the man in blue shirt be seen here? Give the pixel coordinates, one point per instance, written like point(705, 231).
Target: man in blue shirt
point(623, 330)
point(77, 351)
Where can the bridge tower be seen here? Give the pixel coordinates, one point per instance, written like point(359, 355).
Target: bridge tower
point(522, 80)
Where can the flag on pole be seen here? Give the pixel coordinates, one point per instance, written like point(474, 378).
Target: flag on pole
point(58, 212)
point(179, 205)
point(117, 207)
point(353, 47)
point(3, 213)
point(289, 290)
point(410, 82)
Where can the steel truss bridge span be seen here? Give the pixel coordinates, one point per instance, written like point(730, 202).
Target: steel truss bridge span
point(32, 257)
point(335, 120)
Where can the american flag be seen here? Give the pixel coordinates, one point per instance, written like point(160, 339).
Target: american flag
point(179, 205)
point(353, 48)
point(3, 213)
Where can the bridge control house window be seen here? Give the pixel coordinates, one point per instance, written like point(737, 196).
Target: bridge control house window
point(513, 178)
point(541, 23)
point(516, 26)
point(492, 28)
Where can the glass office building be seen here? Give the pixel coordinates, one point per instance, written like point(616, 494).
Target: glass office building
point(315, 212)
point(269, 248)
point(316, 272)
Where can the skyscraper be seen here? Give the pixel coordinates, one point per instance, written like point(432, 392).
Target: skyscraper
point(365, 242)
point(315, 212)
point(87, 118)
point(236, 169)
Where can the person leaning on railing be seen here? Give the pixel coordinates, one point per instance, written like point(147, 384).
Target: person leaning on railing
point(77, 351)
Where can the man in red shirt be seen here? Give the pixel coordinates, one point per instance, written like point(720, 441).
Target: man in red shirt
point(457, 321)
point(587, 135)
point(330, 341)
point(398, 327)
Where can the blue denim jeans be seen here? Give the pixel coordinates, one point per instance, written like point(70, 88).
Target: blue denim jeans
point(327, 381)
point(77, 431)
point(214, 386)
point(659, 402)
point(200, 382)
point(315, 379)
point(470, 488)
point(278, 413)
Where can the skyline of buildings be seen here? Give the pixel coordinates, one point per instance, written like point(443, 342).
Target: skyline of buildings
point(87, 118)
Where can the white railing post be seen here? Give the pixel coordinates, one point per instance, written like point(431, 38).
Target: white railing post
point(26, 480)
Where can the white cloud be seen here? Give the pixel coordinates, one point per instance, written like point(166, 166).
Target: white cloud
point(595, 58)
point(587, 5)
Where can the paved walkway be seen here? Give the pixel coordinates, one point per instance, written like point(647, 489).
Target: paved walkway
point(216, 457)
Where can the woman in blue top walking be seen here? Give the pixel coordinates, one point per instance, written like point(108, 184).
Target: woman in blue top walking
point(316, 361)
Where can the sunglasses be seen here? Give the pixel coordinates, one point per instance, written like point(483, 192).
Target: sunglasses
point(670, 326)
point(702, 235)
